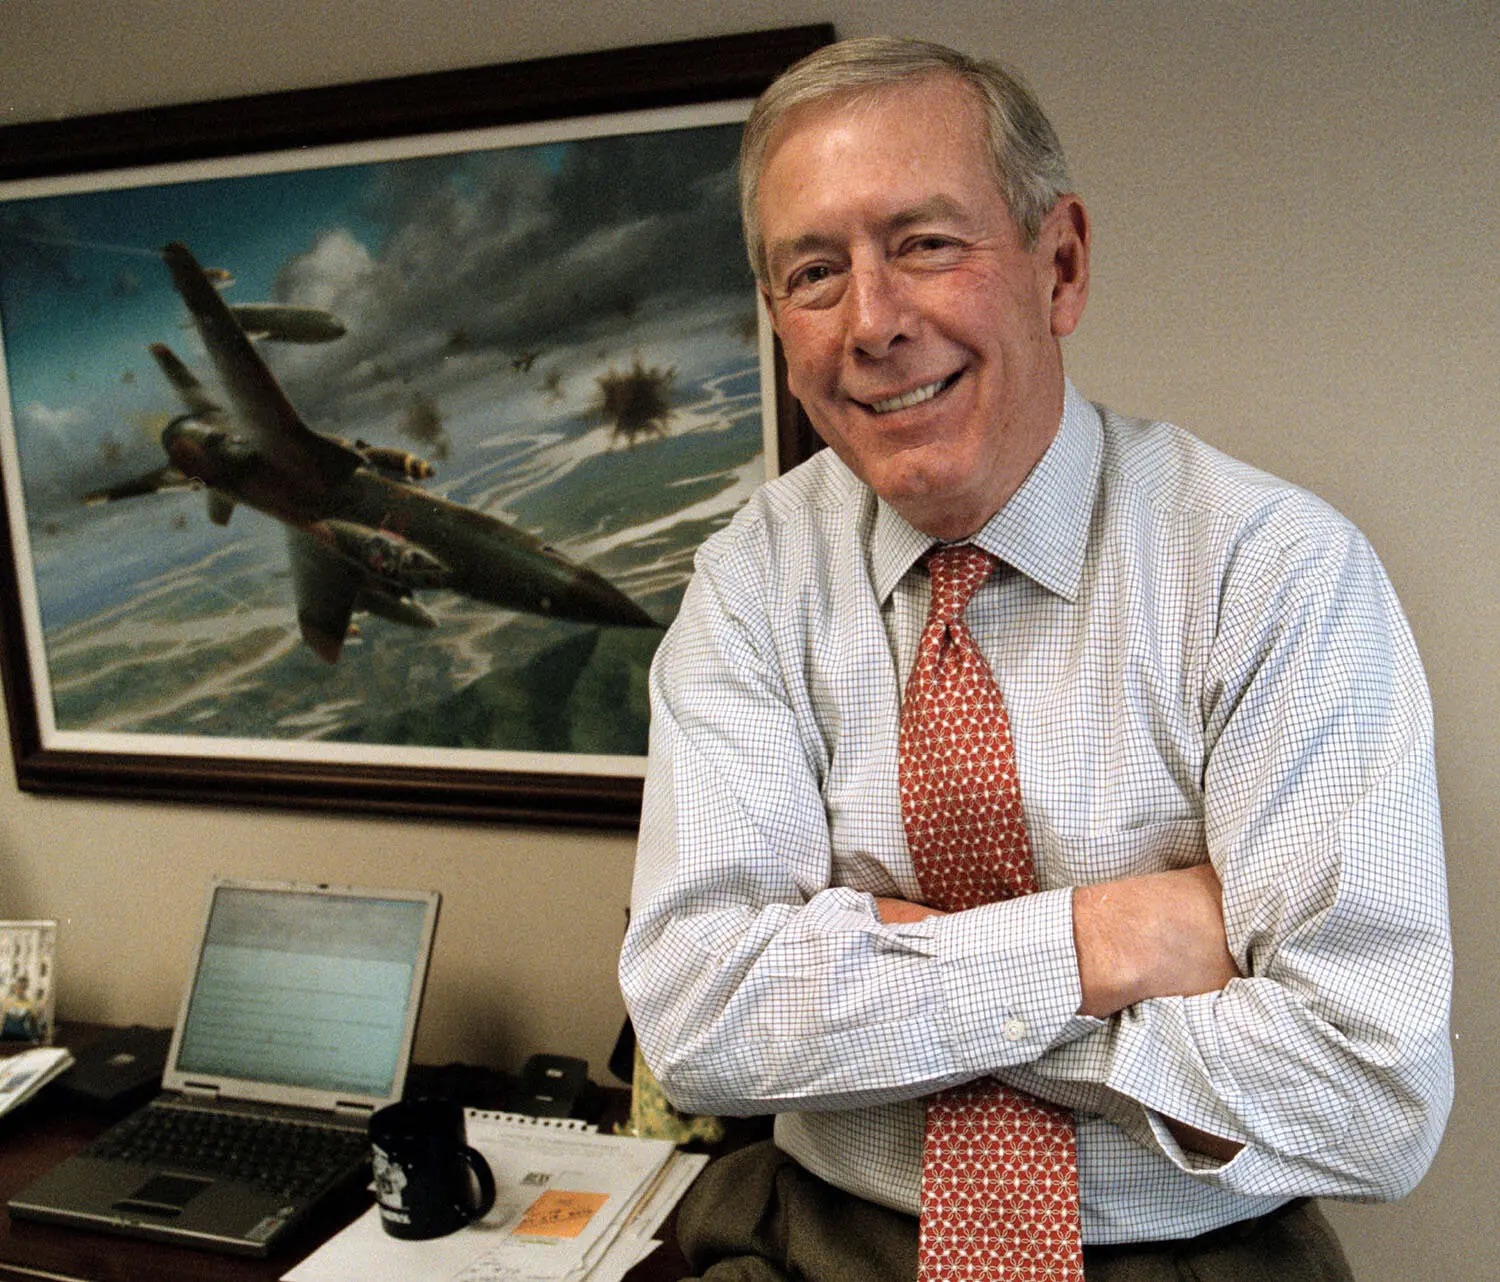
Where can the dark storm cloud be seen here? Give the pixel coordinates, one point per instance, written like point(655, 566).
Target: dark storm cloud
point(521, 251)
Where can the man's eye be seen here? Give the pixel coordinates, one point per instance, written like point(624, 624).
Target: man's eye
point(815, 285)
point(805, 277)
point(931, 245)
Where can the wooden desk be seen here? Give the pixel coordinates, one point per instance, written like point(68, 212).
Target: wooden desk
point(47, 1129)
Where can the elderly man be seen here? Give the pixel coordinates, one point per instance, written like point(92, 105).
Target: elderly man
point(1041, 818)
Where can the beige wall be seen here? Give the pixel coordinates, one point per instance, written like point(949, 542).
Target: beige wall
point(1297, 255)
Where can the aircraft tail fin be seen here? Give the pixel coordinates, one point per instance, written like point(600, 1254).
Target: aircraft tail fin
point(185, 383)
point(323, 642)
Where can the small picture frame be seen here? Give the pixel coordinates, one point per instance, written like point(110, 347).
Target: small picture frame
point(27, 980)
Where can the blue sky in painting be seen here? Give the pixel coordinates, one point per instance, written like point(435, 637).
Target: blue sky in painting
point(81, 282)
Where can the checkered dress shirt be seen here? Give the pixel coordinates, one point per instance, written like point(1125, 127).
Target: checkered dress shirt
point(1200, 662)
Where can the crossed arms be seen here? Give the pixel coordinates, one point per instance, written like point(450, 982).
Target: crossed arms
point(1157, 935)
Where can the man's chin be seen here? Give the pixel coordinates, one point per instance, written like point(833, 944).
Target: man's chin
point(943, 522)
point(944, 511)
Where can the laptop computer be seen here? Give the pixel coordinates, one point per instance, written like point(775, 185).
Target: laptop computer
point(302, 1008)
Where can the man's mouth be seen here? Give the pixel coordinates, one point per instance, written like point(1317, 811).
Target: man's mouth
point(914, 397)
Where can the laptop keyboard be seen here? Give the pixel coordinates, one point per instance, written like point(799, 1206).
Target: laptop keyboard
point(288, 1159)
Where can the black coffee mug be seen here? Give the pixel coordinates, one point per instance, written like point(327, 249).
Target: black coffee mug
point(428, 1180)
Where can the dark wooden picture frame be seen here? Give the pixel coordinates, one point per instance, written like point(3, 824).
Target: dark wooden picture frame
point(638, 80)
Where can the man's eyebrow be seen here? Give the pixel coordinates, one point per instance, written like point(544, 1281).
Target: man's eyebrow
point(793, 247)
point(938, 208)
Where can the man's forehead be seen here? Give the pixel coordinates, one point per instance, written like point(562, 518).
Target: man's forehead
point(928, 172)
point(876, 121)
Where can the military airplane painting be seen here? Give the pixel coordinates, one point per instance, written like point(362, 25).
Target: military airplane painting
point(362, 535)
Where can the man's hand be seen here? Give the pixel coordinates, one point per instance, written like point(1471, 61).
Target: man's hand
point(895, 911)
point(1161, 935)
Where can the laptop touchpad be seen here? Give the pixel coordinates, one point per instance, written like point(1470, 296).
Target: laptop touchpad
point(163, 1195)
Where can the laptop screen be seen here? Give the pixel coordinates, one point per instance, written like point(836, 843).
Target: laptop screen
point(311, 988)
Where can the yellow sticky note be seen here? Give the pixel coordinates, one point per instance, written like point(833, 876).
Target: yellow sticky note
point(560, 1213)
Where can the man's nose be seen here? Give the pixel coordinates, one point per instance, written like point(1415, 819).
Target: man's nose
point(879, 311)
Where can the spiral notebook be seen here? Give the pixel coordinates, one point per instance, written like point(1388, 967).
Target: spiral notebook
point(299, 1018)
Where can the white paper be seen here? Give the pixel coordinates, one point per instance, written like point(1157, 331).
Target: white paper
point(591, 1200)
point(23, 1075)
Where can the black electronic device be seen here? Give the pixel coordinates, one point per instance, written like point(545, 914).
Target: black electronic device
point(119, 1069)
point(551, 1086)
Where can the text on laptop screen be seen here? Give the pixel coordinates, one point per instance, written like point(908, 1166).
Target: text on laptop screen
point(307, 990)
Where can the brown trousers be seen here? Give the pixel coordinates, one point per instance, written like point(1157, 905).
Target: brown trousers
point(756, 1216)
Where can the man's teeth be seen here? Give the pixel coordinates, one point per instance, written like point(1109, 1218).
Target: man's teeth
point(907, 399)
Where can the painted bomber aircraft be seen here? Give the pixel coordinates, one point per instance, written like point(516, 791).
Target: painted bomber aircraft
point(362, 537)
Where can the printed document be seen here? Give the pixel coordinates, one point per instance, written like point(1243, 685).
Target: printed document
point(571, 1205)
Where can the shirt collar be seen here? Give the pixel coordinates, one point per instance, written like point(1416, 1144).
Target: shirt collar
point(1042, 531)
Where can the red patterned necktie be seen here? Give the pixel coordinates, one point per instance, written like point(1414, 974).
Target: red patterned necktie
point(999, 1168)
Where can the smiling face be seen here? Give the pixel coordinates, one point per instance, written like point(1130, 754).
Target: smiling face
point(921, 333)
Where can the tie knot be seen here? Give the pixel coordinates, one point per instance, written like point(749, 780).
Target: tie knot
point(956, 572)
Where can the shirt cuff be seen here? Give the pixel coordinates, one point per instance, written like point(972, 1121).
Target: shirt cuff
point(1009, 977)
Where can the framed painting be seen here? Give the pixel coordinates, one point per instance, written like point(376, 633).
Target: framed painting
point(356, 441)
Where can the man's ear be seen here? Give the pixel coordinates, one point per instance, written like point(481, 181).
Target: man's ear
point(1065, 241)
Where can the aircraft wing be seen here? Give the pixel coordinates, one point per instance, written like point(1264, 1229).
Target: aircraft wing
point(327, 587)
point(260, 404)
point(155, 482)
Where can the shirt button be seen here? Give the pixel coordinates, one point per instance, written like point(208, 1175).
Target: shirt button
point(1014, 1029)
